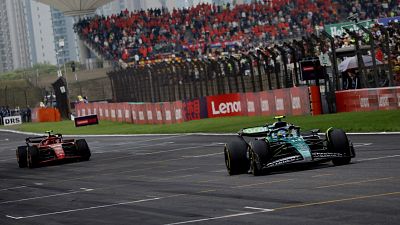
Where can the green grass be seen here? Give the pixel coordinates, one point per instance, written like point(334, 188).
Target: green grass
point(29, 72)
point(375, 121)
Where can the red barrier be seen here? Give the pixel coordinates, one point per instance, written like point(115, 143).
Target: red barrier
point(46, 115)
point(368, 99)
point(113, 111)
point(224, 105)
point(167, 112)
point(315, 97)
point(250, 103)
point(134, 111)
point(107, 111)
point(300, 100)
point(178, 111)
point(387, 98)
point(95, 108)
point(119, 108)
point(267, 103)
point(127, 113)
point(89, 108)
point(150, 113)
point(141, 114)
point(101, 111)
point(158, 112)
point(282, 102)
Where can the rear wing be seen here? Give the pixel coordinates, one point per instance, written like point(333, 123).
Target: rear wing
point(38, 139)
point(254, 131)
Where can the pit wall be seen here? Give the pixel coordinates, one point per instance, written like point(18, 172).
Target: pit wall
point(290, 101)
point(368, 99)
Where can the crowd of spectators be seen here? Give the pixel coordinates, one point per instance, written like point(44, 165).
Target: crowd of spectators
point(132, 36)
point(6, 111)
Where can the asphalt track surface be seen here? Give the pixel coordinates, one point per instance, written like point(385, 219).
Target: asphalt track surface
point(181, 179)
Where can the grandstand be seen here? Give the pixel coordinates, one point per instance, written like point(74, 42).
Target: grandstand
point(200, 30)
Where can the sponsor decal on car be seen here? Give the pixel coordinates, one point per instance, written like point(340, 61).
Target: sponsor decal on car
point(284, 161)
point(319, 155)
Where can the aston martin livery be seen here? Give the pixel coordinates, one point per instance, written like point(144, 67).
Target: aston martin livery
point(282, 143)
point(53, 147)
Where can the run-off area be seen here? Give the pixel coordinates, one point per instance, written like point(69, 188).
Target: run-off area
point(181, 179)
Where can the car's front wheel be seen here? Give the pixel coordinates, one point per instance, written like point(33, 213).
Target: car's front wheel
point(339, 143)
point(236, 159)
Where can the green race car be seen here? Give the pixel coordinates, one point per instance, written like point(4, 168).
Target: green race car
point(281, 143)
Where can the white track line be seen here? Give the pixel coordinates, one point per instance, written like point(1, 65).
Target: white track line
point(382, 157)
point(201, 156)
point(48, 196)
point(93, 207)
point(13, 188)
point(259, 210)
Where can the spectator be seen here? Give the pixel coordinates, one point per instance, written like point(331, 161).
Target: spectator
point(352, 80)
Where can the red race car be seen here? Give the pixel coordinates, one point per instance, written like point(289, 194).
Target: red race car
point(50, 148)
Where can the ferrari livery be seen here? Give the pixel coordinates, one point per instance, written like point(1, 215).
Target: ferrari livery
point(281, 143)
point(50, 148)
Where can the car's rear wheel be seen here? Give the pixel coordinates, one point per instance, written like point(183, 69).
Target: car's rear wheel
point(33, 157)
point(339, 143)
point(259, 155)
point(21, 156)
point(236, 159)
point(83, 149)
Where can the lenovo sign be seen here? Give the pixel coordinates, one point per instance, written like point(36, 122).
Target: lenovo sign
point(224, 105)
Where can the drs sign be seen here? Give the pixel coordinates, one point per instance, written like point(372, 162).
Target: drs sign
point(12, 120)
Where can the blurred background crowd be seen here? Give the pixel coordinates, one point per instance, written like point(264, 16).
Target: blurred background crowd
point(199, 30)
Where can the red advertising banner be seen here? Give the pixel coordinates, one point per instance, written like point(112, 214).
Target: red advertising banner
point(127, 113)
point(141, 114)
point(120, 111)
point(89, 107)
point(300, 100)
point(368, 99)
point(178, 111)
point(167, 113)
point(387, 98)
point(224, 105)
point(158, 113)
point(113, 111)
point(77, 109)
point(282, 102)
point(95, 108)
point(250, 103)
point(107, 111)
point(101, 111)
point(267, 103)
point(134, 112)
point(398, 97)
point(150, 113)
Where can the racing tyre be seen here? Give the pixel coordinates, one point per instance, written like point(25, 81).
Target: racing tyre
point(32, 157)
point(338, 143)
point(259, 155)
point(83, 149)
point(21, 156)
point(236, 159)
